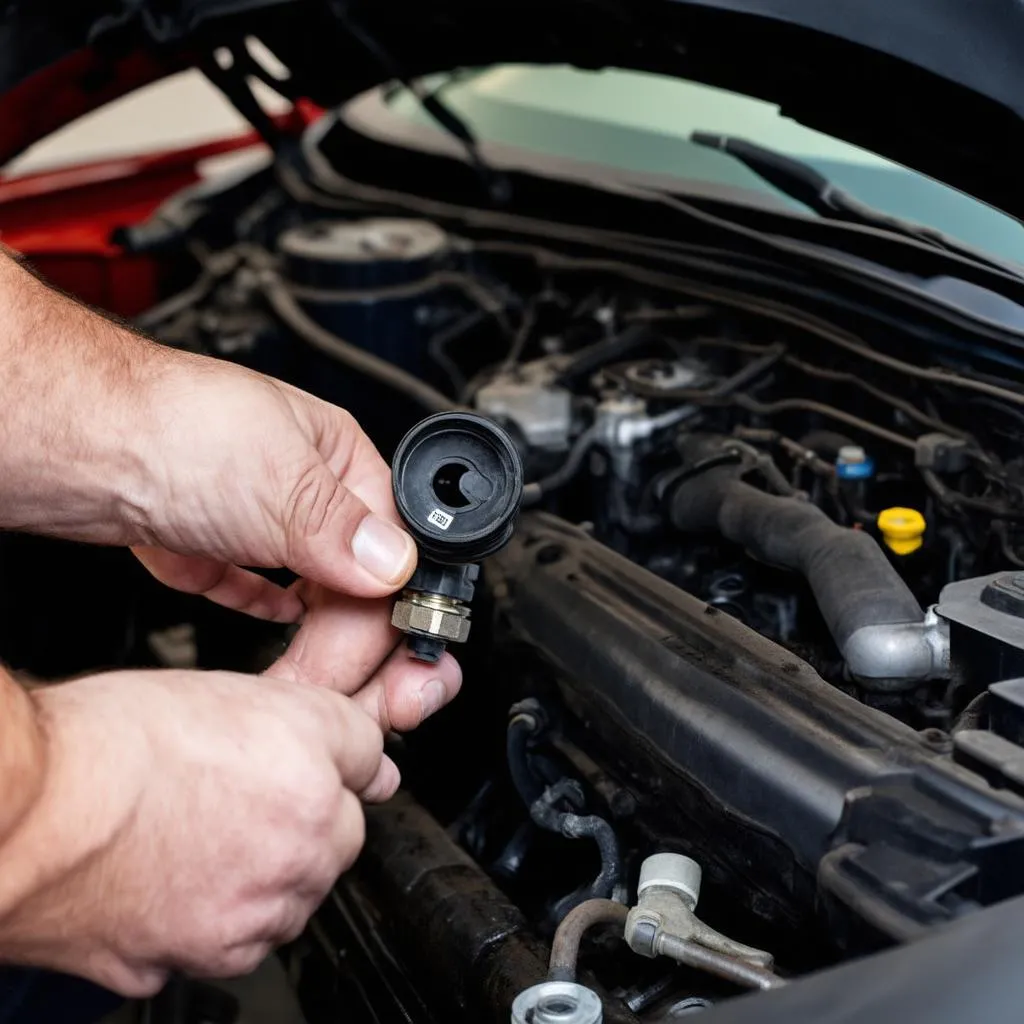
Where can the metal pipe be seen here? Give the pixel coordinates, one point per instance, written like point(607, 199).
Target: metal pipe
point(565, 948)
point(739, 972)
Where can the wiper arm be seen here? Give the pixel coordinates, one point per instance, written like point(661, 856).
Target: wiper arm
point(495, 182)
point(806, 185)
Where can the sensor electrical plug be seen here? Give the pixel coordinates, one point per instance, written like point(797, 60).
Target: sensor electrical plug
point(458, 484)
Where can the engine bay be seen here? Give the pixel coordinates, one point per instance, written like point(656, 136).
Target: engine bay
point(763, 612)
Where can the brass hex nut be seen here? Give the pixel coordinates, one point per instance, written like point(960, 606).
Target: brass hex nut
point(412, 617)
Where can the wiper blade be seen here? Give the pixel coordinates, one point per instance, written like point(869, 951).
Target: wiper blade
point(806, 185)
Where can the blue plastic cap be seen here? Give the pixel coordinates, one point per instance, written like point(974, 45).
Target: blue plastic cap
point(863, 470)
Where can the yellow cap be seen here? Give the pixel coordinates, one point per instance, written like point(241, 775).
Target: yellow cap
point(902, 529)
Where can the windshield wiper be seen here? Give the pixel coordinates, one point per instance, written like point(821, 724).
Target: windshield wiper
point(494, 181)
point(806, 185)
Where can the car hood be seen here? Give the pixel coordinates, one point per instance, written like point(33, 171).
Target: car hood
point(937, 85)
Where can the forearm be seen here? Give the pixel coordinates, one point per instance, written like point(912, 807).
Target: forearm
point(73, 392)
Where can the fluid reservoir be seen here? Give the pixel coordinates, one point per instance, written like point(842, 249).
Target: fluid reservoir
point(374, 283)
point(370, 281)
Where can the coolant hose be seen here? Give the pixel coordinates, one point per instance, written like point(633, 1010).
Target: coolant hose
point(873, 617)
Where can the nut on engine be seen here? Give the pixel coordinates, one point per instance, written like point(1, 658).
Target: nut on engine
point(432, 615)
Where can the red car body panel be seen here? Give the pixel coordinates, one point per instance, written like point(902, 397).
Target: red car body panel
point(63, 220)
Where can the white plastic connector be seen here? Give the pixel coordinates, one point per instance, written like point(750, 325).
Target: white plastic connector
point(671, 871)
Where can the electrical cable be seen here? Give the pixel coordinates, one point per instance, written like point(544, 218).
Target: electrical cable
point(996, 406)
point(176, 304)
point(908, 408)
point(951, 498)
point(817, 259)
point(540, 489)
point(437, 347)
point(747, 374)
point(295, 318)
point(617, 241)
point(521, 339)
point(830, 411)
point(588, 360)
point(854, 380)
point(524, 727)
point(477, 293)
point(777, 312)
point(573, 825)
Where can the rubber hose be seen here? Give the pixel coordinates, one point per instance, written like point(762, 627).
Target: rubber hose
point(355, 358)
point(853, 581)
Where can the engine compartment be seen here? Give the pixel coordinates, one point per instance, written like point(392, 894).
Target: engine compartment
point(762, 611)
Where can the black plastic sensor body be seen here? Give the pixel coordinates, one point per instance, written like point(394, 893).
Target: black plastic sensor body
point(458, 484)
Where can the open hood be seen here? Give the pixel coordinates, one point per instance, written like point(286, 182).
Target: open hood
point(937, 85)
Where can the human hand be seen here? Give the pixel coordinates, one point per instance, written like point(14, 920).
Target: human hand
point(112, 438)
point(206, 467)
point(244, 470)
point(291, 481)
point(188, 821)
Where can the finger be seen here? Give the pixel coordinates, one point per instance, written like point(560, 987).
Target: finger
point(404, 692)
point(349, 835)
point(354, 739)
point(223, 583)
point(333, 538)
point(384, 784)
point(350, 647)
point(350, 455)
point(236, 962)
point(341, 642)
point(131, 979)
point(332, 857)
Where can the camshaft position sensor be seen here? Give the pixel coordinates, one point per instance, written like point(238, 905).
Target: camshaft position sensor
point(458, 483)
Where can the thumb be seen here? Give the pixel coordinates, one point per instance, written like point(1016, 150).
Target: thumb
point(333, 538)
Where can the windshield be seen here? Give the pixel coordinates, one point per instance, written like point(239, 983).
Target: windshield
point(641, 122)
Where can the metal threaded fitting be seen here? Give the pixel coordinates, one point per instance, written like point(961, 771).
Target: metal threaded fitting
point(432, 615)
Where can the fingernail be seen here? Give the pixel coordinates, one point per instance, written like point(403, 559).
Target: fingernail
point(432, 697)
point(384, 785)
point(383, 550)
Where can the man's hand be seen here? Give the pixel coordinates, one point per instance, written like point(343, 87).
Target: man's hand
point(246, 470)
point(191, 821)
point(188, 821)
point(291, 481)
point(206, 467)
